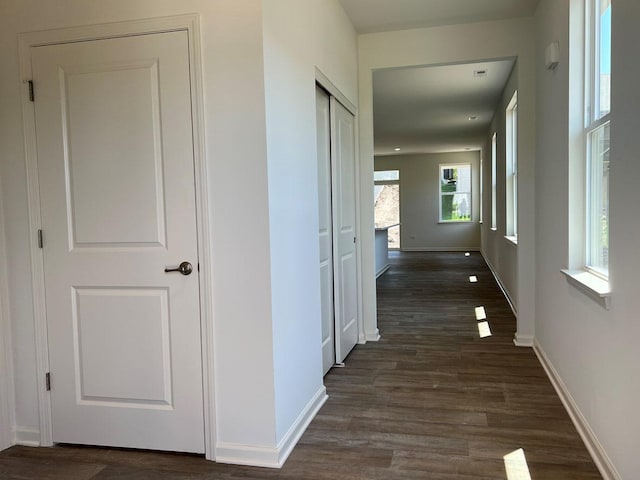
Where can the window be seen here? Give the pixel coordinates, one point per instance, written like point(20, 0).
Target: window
point(494, 195)
point(455, 193)
point(512, 167)
point(387, 204)
point(597, 135)
point(481, 186)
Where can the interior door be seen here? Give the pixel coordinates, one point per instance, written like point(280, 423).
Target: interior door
point(325, 233)
point(115, 161)
point(344, 228)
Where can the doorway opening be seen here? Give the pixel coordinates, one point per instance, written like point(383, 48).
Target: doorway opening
point(386, 196)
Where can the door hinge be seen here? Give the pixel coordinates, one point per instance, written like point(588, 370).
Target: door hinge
point(40, 239)
point(47, 381)
point(32, 96)
point(354, 239)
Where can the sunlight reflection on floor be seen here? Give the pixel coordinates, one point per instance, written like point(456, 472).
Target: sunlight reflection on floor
point(515, 464)
point(484, 330)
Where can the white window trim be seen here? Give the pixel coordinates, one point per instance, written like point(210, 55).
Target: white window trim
point(593, 120)
point(481, 206)
point(581, 98)
point(591, 285)
point(470, 192)
point(511, 166)
point(494, 181)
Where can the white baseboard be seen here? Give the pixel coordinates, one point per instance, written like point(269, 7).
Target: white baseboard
point(440, 249)
point(523, 340)
point(372, 336)
point(26, 436)
point(272, 457)
point(502, 287)
point(290, 439)
point(600, 457)
point(383, 269)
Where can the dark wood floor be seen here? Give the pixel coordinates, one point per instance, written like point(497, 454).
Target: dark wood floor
point(431, 400)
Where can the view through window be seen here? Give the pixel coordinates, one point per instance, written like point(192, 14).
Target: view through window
point(455, 193)
point(386, 196)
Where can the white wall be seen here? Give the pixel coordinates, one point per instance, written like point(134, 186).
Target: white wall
point(6, 360)
point(594, 351)
point(500, 253)
point(234, 111)
point(297, 38)
point(458, 44)
point(419, 202)
point(261, 159)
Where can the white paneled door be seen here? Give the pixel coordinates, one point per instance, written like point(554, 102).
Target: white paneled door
point(325, 231)
point(116, 173)
point(343, 157)
point(337, 230)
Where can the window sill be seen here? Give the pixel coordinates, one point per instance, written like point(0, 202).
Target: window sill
point(447, 222)
point(512, 239)
point(591, 285)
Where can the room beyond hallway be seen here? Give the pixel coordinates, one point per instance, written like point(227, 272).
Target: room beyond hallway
point(431, 400)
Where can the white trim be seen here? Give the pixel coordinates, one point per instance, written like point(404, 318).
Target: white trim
point(440, 249)
point(523, 340)
point(506, 295)
point(25, 41)
point(334, 91)
point(591, 285)
point(512, 240)
point(7, 389)
point(291, 438)
point(382, 270)
point(191, 24)
point(372, 336)
point(272, 457)
point(595, 448)
point(27, 436)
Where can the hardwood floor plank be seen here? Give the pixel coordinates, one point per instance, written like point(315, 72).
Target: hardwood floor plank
point(430, 400)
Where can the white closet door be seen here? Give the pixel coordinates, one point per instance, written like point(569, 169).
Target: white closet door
point(325, 233)
point(344, 228)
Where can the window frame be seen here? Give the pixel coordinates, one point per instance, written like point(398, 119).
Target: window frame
point(494, 181)
point(442, 167)
point(511, 166)
point(594, 121)
point(481, 173)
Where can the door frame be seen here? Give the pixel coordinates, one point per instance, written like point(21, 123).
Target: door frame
point(328, 86)
point(7, 395)
point(189, 23)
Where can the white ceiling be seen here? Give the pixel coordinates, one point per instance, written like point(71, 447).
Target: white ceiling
point(427, 109)
point(383, 15)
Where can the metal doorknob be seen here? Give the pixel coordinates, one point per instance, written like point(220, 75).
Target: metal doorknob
point(185, 268)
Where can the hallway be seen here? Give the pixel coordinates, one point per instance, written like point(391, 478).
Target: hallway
point(430, 400)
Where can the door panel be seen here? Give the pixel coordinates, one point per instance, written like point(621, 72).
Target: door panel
point(104, 355)
point(325, 234)
point(108, 130)
point(115, 163)
point(344, 217)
